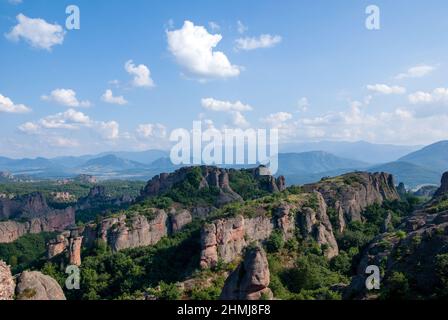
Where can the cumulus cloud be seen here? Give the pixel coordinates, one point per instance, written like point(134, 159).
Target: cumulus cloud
point(36, 32)
point(193, 48)
point(149, 130)
point(263, 41)
point(71, 120)
point(141, 74)
point(416, 72)
point(65, 97)
point(6, 105)
point(276, 119)
point(109, 97)
point(225, 106)
point(439, 95)
point(385, 89)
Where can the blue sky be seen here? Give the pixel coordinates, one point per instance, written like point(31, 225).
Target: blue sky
point(310, 68)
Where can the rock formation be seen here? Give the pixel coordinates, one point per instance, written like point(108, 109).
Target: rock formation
point(53, 220)
point(226, 238)
point(251, 278)
point(443, 186)
point(98, 198)
point(7, 284)
point(424, 236)
point(353, 192)
point(211, 177)
point(33, 285)
point(178, 220)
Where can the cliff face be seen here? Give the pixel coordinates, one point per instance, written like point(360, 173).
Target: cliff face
point(251, 278)
point(53, 220)
point(119, 233)
point(347, 195)
point(137, 231)
point(226, 238)
point(98, 197)
point(350, 194)
point(415, 253)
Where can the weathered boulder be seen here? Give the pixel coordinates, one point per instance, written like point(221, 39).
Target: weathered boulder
point(7, 284)
point(251, 278)
point(33, 285)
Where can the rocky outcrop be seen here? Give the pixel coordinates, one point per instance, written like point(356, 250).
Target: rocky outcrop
point(315, 223)
point(119, 233)
point(251, 278)
point(443, 186)
point(99, 198)
point(137, 231)
point(178, 220)
point(353, 192)
point(33, 285)
point(54, 220)
point(413, 252)
point(69, 243)
point(211, 177)
point(225, 239)
point(7, 284)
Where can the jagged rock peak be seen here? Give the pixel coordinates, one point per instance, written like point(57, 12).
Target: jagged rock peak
point(210, 176)
point(251, 278)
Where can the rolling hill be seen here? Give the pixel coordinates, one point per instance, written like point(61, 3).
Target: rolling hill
point(433, 157)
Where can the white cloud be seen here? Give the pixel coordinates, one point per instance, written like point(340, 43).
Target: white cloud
point(385, 89)
point(108, 130)
point(36, 32)
point(29, 127)
point(439, 95)
point(6, 105)
point(241, 27)
point(65, 97)
point(72, 120)
point(224, 106)
point(15, 2)
point(416, 72)
point(193, 46)
point(278, 118)
point(141, 74)
point(149, 130)
point(109, 97)
point(263, 41)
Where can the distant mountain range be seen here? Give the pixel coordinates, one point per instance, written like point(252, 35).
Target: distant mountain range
point(361, 150)
point(411, 165)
